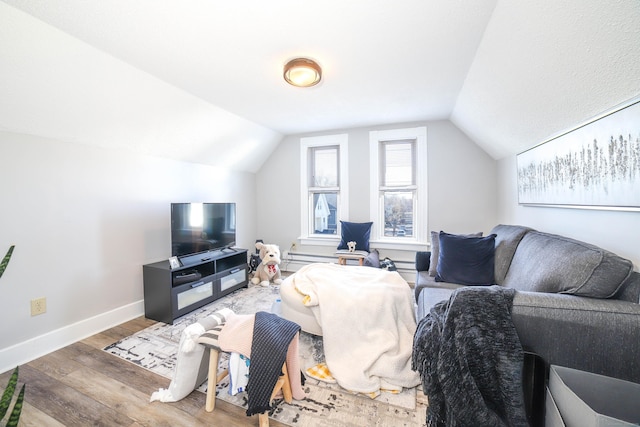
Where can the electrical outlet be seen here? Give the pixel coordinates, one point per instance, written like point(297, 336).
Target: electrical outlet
point(38, 306)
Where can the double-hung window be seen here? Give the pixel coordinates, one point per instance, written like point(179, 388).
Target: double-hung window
point(324, 186)
point(398, 185)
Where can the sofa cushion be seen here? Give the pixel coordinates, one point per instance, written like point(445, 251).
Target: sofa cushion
point(550, 263)
point(466, 260)
point(507, 239)
point(430, 296)
point(424, 281)
point(435, 250)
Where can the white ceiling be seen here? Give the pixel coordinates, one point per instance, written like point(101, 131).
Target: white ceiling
point(209, 73)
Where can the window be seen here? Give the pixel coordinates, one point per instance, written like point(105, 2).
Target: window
point(398, 185)
point(324, 186)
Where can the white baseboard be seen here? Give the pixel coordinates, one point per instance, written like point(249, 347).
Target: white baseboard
point(33, 348)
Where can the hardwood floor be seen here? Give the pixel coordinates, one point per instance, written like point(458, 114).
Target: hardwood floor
point(81, 385)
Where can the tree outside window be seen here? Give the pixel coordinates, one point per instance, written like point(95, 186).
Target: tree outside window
point(398, 187)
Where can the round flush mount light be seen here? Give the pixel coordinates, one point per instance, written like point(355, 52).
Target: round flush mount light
point(302, 72)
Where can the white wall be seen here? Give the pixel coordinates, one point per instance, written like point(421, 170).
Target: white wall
point(462, 181)
point(84, 220)
point(616, 231)
point(461, 185)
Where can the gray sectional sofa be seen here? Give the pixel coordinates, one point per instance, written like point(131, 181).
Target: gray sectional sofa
point(576, 305)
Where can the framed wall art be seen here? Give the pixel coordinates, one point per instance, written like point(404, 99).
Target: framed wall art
point(593, 166)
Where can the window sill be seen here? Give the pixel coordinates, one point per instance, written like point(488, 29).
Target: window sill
point(319, 241)
point(412, 245)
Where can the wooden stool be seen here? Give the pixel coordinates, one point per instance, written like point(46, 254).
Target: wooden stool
point(214, 356)
point(342, 258)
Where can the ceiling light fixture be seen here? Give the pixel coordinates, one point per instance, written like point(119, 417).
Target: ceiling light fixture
point(302, 72)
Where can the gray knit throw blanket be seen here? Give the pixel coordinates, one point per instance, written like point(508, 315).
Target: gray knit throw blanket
point(470, 360)
point(271, 338)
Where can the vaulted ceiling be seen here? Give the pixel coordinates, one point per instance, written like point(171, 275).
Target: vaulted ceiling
point(201, 80)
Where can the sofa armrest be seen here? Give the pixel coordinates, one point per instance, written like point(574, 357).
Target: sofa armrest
point(423, 260)
point(595, 335)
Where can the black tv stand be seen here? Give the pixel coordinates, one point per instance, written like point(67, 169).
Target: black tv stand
point(202, 278)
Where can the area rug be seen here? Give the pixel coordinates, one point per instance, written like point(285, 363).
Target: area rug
point(326, 404)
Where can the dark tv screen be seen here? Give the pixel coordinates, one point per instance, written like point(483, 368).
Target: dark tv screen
point(202, 227)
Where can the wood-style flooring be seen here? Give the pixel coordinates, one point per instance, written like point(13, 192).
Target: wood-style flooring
point(81, 385)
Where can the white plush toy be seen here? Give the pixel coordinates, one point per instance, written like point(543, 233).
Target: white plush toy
point(351, 246)
point(269, 267)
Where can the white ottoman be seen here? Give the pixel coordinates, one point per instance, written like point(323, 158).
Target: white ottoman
point(294, 310)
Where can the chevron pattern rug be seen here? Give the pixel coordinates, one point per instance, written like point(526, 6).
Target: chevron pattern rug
point(155, 348)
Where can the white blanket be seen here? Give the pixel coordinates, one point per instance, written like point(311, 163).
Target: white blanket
point(368, 322)
point(191, 364)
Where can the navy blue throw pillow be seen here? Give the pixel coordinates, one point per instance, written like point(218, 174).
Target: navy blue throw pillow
point(466, 260)
point(358, 232)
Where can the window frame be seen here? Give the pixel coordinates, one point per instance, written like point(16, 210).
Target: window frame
point(376, 193)
point(307, 191)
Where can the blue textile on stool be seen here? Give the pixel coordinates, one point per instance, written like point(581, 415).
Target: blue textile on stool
point(271, 338)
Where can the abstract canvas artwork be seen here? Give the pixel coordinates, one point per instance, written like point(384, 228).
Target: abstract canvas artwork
point(596, 165)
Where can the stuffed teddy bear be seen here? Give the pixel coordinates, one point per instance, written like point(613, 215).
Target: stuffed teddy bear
point(269, 267)
point(351, 246)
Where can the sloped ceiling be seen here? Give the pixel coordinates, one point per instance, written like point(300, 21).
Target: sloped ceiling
point(202, 80)
point(544, 67)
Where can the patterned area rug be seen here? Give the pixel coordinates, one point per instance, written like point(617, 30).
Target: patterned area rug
point(326, 404)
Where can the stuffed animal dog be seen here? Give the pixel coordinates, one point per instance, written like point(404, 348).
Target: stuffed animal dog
point(269, 268)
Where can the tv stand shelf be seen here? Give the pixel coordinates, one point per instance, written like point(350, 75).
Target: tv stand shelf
point(203, 278)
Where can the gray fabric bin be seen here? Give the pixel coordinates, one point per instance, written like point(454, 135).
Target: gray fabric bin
point(590, 400)
point(552, 417)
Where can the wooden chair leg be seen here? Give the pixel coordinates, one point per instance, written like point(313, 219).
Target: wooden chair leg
point(286, 387)
point(282, 384)
point(263, 420)
point(277, 388)
point(214, 379)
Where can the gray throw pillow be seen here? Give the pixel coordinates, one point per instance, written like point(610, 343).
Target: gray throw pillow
point(373, 259)
point(435, 250)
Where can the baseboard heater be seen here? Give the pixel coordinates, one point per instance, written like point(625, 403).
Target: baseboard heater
point(293, 261)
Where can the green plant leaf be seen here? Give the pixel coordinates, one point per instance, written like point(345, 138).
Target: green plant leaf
point(8, 393)
point(5, 261)
point(17, 409)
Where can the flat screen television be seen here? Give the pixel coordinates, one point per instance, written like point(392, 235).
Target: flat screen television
point(202, 227)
